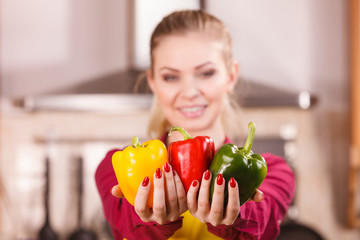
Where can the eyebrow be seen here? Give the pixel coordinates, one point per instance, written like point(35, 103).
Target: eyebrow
point(204, 64)
point(169, 68)
point(176, 70)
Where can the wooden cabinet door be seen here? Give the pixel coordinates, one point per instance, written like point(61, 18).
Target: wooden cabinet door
point(354, 165)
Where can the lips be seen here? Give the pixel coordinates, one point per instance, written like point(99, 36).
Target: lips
point(192, 111)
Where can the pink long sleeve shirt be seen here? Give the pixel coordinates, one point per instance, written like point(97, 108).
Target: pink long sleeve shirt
point(256, 220)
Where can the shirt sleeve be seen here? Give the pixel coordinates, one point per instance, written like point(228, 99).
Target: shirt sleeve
point(262, 220)
point(120, 214)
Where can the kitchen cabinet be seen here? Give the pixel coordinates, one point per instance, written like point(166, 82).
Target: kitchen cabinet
point(354, 163)
point(71, 134)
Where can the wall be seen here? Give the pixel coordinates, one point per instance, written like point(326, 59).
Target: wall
point(296, 45)
point(46, 45)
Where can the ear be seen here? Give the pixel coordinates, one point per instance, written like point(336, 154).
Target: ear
point(233, 76)
point(150, 79)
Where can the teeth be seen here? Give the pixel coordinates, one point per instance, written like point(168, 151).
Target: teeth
point(192, 109)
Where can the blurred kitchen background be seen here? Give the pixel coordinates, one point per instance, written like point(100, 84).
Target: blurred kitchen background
point(68, 71)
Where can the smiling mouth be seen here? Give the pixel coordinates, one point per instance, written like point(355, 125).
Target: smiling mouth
point(193, 111)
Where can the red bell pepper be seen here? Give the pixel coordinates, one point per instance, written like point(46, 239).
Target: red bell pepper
point(191, 157)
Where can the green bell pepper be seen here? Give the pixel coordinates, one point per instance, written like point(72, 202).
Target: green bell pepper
point(247, 168)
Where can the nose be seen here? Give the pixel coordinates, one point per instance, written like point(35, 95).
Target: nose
point(189, 88)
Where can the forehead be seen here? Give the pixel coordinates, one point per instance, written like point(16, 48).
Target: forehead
point(187, 49)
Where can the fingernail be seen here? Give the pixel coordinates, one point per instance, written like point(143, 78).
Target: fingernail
point(232, 183)
point(167, 167)
point(262, 196)
point(194, 183)
point(219, 179)
point(207, 175)
point(158, 173)
point(145, 182)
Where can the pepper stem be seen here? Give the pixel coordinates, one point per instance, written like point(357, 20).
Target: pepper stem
point(135, 142)
point(182, 131)
point(250, 138)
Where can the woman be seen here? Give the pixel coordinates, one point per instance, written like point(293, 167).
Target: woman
point(192, 75)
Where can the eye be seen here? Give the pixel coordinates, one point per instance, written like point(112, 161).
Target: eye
point(207, 73)
point(169, 77)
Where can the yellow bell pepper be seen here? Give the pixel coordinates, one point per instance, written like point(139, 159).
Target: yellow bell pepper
point(136, 162)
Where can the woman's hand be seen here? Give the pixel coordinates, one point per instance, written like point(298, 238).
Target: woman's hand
point(169, 197)
point(215, 213)
point(116, 191)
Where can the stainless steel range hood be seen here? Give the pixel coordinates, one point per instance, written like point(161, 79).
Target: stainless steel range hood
point(123, 91)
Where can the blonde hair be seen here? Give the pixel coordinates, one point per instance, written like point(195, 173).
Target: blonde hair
point(181, 22)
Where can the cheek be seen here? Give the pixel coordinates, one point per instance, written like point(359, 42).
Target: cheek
point(216, 93)
point(217, 100)
point(162, 91)
point(166, 96)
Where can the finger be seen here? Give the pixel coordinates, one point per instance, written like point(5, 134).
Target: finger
point(258, 196)
point(159, 203)
point(116, 191)
point(170, 194)
point(203, 200)
point(191, 197)
point(181, 194)
point(217, 205)
point(233, 206)
point(140, 205)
